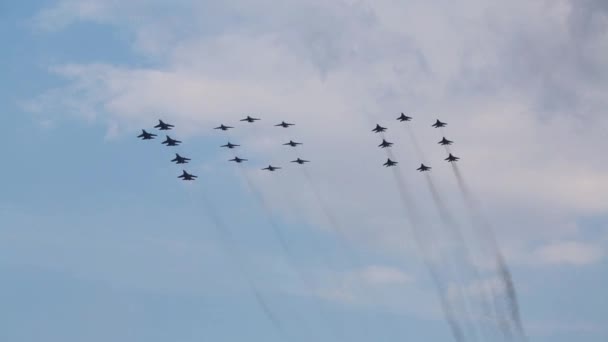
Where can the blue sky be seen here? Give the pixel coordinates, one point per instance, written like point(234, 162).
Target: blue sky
point(100, 241)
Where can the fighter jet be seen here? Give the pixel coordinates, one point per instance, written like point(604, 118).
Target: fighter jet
point(300, 161)
point(179, 159)
point(292, 143)
point(171, 142)
point(145, 135)
point(438, 124)
point(223, 128)
point(284, 124)
point(249, 119)
point(445, 141)
point(379, 129)
point(230, 145)
point(404, 117)
point(385, 144)
point(163, 126)
point(423, 168)
point(271, 168)
point(186, 176)
point(451, 158)
point(390, 163)
point(238, 160)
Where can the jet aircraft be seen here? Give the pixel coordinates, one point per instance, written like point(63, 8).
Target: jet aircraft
point(379, 129)
point(163, 126)
point(452, 158)
point(300, 161)
point(271, 168)
point(292, 143)
point(445, 141)
point(186, 176)
point(238, 160)
point(390, 163)
point(385, 144)
point(145, 135)
point(423, 168)
point(230, 145)
point(284, 124)
point(171, 142)
point(223, 128)
point(179, 159)
point(438, 124)
point(249, 119)
point(404, 117)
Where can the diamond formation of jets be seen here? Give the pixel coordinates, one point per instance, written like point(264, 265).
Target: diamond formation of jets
point(186, 176)
point(438, 124)
point(223, 127)
point(404, 117)
point(250, 119)
point(237, 160)
point(230, 145)
point(145, 135)
point(300, 161)
point(424, 168)
point(284, 124)
point(271, 168)
point(445, 141)
point(292, 143)
point(163, 126)
point(452, 158)
point(171, 142)
point(180, 160)
point(390, 163)
point(379, 129)
point(385, 144)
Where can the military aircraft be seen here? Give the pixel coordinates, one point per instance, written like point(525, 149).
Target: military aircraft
point(271, 168)
point(423, 168)
point(163, 126)
point(292, 143)
point(385, 144)
point(300, 161)
point(284, 124)
point(186, 176)
point(249, 119)
point(238, 160)
point(223, 128)
point(171, 142)
point(179, 159)
point(438, 124)
point(145, 135)
point(230, 145)
point(404, 117)
point(379, 129)
point(390, 163)
point(452, 158)
point(445, 141)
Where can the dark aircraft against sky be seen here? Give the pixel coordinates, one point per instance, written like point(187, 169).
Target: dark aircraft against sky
point(180, 160)
point(452, 158)
point(300, 161)
point(438, 124)
point(284, 124)
point(186, 176)
point(250, 119)
point(390, 163)
point(379, 129)
point(145, 135)
point(445, 141)
point(423, 168)
point(223, 127)
point(292, 143)
point(385, 144)
point(163, 126)
point(271, 168)
point(171, 142)
point(237, 160)
point(404, 117)
point(230, 145)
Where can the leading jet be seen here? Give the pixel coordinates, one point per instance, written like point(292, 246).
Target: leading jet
point(250, 119)
point(163, 126)
point(171, 142)
point(379, 129)
point(390, 163)
point(186, 176)
point(145, 135)
point(300, 161)
point(404, 117)
point(438, 124)
point(445, 141)
point(292, 143)
point(423, 168)
point(452, 158)
point(223, 128)
point(180, 160)
point(230, 145)
point(284, 124)
point(237, 160)
point(385, 144)
point(271, 168)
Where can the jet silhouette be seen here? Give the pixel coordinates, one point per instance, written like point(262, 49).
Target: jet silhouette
point(223, 128)
point(271, 168)
point(404, 117)
point(237, 160)
point(186, 176)
point(390, 163)
point(452, 158)
point(229, 145)
point(284, 124)
point(423, 168)
point(445, 141)
point(438, 124)
point(145, 135)
point(163, 126)
point(300, 161)
point(249, 119)
point(379, 129)
point(292, 143)
point(171, 142)
point(179, 159)
point(385, 144)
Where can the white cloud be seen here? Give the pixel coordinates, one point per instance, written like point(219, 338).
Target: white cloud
point(569, 253)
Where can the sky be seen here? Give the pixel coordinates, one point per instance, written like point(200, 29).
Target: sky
point(100, 241)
